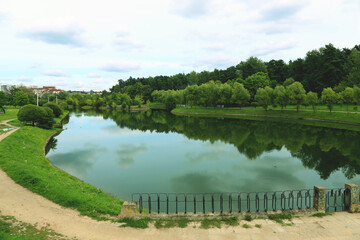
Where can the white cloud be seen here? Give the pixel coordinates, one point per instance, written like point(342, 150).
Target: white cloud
point(58, 31)
point(219, 60)
point(191, 8)
point(25, 79)
point(273, 47)
point(120, 66)
point(55, 73)
point(93, 75)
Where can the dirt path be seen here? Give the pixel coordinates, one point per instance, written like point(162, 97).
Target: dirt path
point(31, 208)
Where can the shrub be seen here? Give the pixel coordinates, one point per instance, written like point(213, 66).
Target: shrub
point(56, 109)
point(170, 103)
point(43, 116)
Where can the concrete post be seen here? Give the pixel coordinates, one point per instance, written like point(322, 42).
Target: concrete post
point(320, 198)
point(351, 197)
point(128, 209)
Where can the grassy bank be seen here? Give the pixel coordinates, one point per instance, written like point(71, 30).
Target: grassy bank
point(342, 120)
point(22, 158)
point(10, 114)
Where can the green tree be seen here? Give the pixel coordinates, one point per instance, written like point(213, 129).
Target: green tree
point(34, 114)
point(353, 67)
point(288, 82)
point(296, 94)
point(170, 103)
point(240, 95)
point(347, 96)
point(329, 98)
point(55, 108)
point(312, 99)
point(264, 97)
point(251, 66)
point(3, 99)
point(138, 100)
point(225, 94)
point(46, 119)
point(21, 98)
point(356, 90)
point(281, 97)
point(256, 81)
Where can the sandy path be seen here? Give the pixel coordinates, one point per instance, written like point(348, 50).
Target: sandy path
point(31, 208)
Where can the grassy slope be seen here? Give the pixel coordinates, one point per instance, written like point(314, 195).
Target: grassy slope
point(10, 114)
point(218, 112)
point(22, 158)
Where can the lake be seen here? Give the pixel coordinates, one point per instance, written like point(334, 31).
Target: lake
point(145, 152)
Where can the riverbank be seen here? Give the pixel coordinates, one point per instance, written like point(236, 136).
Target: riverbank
point(339, 119)
point(22, 158)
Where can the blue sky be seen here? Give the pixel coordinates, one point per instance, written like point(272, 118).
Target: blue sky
point(84, 45)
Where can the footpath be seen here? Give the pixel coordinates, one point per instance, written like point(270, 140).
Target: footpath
point(31, 208)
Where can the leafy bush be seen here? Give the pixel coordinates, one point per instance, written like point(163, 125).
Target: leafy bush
point(42, 116)
point(56, 109)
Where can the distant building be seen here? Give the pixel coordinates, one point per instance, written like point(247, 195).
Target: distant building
point(51, 89)
point(6, 88)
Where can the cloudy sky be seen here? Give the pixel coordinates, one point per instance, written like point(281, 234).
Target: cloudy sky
point(83, 45)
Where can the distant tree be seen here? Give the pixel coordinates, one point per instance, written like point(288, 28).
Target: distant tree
point(3, 98)
point(312, 99)
point(347, 96)
point(329, 98)
point(46, 119)
point(277, 70)
point(288, 82)
point(356, 90)
point(55, 108)
point(240, 95)
point(251, 66)
point(170, 103)
point(255, 81)
point(281, 96)
point(296, 94)
point(138, 100)
point(353, 68)
point(264, 97)
point(21, 98)
point(225, 94)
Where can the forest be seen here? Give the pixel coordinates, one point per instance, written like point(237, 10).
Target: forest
point(319, 69)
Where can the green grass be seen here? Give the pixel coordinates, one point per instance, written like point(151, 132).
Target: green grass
point(135, 223)
point(246, 226)
point(12, 229)
point(248, 218)
point(279, 218)
point(155, 105)
point(207, 223)
point(291, 115)
point(10, 114)
point(170, 223)
point(258, 225)
point(22, 158)
point(320, 215)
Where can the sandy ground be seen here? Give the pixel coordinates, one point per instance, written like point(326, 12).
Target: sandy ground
point(31, 208)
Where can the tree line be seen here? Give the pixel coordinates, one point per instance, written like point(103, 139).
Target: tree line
point(319, 69)
point(234, 93)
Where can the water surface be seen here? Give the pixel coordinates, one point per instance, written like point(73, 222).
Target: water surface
point(124, 153)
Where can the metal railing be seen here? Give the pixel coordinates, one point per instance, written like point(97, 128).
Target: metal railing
point(224, 202)
point(337, 199)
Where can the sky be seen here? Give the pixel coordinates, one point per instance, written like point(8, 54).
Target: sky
point(89, 45)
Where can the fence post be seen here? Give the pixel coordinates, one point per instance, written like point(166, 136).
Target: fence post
point(320, 198)
point(351, 197)
point(128, 209)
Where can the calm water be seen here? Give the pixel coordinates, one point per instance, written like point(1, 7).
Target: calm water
point(125, 153)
